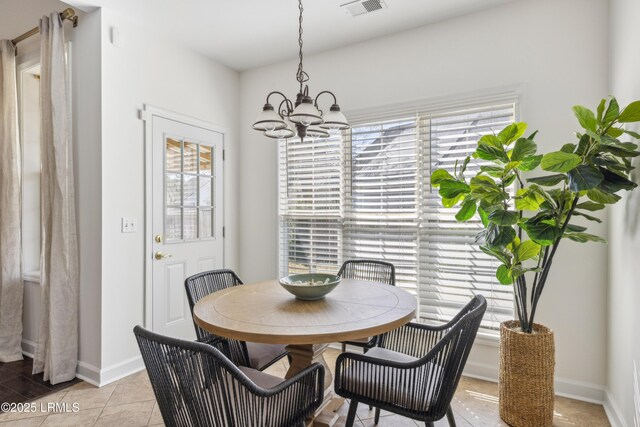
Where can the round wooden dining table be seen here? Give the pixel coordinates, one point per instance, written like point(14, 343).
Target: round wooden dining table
point(265, 312)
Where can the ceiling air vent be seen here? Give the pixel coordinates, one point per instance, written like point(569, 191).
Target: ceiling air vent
point(360, 7)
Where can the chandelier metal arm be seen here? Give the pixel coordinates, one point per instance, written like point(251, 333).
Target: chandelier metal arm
point(315, 101)
point(285, 100)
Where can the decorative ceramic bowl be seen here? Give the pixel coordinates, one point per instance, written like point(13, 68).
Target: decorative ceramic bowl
point(310, 286)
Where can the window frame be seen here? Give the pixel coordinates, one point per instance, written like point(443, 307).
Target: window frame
point(423, 110)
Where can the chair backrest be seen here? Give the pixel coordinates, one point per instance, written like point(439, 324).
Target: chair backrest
point(196, 385)
point(199, 286)
point(202, 284)
point(368, 269)
point(451, 352)
point(190, 380)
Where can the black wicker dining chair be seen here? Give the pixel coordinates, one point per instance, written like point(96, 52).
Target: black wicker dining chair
point(372, 271)
point(196, 385)
point(254, 355)
point(416, 370)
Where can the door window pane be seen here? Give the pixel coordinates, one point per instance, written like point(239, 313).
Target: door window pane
point(173, 224)
point(190, 223)
point(205, 191)
point(173, 155)
point(173, 186)
point(190, 197)
point(205, 160)
point(190, 157)
point(206, 223)
point(188, 186)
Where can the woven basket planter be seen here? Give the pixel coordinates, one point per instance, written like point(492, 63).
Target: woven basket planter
point(527, 364)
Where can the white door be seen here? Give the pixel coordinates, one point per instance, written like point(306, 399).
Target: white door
point(186, 217)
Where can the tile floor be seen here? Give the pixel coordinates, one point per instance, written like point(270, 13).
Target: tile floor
point(129, 402)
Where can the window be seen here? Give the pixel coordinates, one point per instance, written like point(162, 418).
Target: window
point(189, 190)
point(367, 194)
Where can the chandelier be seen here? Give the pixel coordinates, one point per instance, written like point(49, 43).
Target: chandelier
point(308, 120)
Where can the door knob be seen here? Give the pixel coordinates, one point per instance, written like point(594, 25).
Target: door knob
point(159, 255)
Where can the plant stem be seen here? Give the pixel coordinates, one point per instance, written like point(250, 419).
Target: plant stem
point(547, 265)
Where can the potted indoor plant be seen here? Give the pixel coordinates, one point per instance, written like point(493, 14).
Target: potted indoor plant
point(526, 219)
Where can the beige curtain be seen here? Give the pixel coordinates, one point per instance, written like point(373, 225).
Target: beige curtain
point(57, 350)
point(10, 218)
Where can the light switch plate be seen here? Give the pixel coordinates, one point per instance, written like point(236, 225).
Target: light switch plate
point(129, 225)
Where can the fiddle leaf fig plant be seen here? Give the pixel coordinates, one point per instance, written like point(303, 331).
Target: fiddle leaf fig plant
point(526, 218)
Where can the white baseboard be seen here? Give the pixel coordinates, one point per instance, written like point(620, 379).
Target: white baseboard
point(564, 387)
point(612, 410)
point(28, 347)
point(88, 373)
point(121, 370)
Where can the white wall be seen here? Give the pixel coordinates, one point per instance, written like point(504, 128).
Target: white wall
point(86, 78)
point(157, 72)
point(624, 235)
point(543, 45)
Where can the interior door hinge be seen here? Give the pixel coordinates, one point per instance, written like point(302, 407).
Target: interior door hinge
point(223, 154)
point(223, 232)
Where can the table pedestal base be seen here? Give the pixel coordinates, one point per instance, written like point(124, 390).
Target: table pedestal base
point(303, 356)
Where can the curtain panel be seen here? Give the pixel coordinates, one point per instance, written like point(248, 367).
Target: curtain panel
point(10, 217)
point(57, 349)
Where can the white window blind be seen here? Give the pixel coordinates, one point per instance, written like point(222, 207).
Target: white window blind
point(367, 194)
point(310, 205)
point(452, 267)
point(382, 198)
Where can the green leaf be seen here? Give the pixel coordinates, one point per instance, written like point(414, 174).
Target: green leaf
point(636, 135)
point(440, 175)
point(450, 189)
point(523, 148)
point(584, 177)
point(617, 150)
point(509, 180)
point(543, 233)
point(484, 216)
point(489, 152)
point(530, 163)
point(527, 200)
point(527, 250)
point(485, 189)
point(499, 254)
point(495, 171)
point(467, 210)
point(600, 196)
point(502, 217)
point(576, 228)
point(499, 235)
point(491, 140)
point(586, 117)
point(587, 216)
point(548, 180)
point(613, 182)
point(631, 113)
point(503, 275)
point(584, 237)
point(568, 148)
point(451, 202)
point(583, 145)
point(600, 110)
point(590, 206)
point(559, 161)
point(614, 132)
point(613, 110)
point(511, 133)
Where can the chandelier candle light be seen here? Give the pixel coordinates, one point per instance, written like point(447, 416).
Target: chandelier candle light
point(304, 114)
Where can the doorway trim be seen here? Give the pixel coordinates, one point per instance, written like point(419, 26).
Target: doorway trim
point(146, 115)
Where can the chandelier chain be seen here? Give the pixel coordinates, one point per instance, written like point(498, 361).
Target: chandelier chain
point(301, 76)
